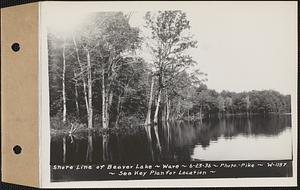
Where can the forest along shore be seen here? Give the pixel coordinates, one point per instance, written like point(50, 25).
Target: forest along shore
point(98, 81)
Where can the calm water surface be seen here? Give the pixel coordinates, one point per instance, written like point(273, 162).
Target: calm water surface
point(234, 138)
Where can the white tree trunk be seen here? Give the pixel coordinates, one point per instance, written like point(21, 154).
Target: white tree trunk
point(90, 95)
point(148, 117)
point(107, 94)
point(108, 106)
point(107, 103)
point(104, 122)
point(76, 99)
point(164, 111)
point(157, 107)
point(118, 111)
point(64, 85)
point(168, 109)
point(83, 80)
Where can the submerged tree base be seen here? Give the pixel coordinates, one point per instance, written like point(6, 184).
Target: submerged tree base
point(112, 130)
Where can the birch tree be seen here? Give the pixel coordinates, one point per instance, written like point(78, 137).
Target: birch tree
point(64, 83)
point(118, 39)
point(169, 39)
point(106, 39)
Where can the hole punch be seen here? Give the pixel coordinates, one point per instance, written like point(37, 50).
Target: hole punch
point(15, 47)
point(17, 149)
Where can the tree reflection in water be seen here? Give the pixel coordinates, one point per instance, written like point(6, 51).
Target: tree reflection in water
point(89, 151)
point(169, 141)
point(105, 151)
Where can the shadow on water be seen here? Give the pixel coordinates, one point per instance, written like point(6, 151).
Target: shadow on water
point(169, 141)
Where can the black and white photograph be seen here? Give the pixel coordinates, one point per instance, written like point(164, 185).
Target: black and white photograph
point(202, 90)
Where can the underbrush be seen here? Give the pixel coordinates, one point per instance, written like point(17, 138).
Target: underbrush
point(127, 125)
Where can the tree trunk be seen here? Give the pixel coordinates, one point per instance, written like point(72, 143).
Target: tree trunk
point(86, 98)
point(118, 111)
point(109, 98)
point(148, 117)
point(107, 94)
point(90, 107)
point(178, 110)
point(164, 105)
point(168, 108)
point(157, 107)
point(200, 114)
point(168, 136)
point(104, 122)
point(64, 85)
point(120, 105)
point(64, 149)
point(83, 80)
point(76, 99)
point(106, 107)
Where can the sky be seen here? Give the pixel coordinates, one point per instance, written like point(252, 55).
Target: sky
point(242, 46)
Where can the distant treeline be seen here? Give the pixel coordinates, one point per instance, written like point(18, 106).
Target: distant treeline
point(209, 102)
point(97, 79)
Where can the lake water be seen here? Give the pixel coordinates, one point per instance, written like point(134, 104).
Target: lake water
point(232, 138)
